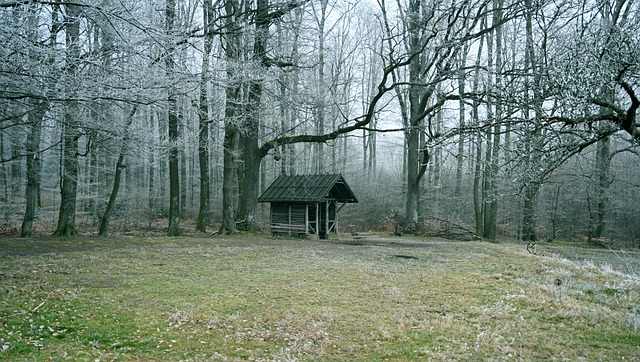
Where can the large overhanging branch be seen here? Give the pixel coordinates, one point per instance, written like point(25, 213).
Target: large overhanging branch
point(280, 10)
point(628, 122)
point(98, 8)
point(13, 4)
point(22, 155)
point(363, 121)
point(16, 96)
point(273, 15)
point(424, 162)
point(181, 38)
point(624, 119)
point(359, 123)
point(574, 121)
point(572, 149)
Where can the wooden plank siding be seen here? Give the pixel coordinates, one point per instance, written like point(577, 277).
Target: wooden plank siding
point(289, 218)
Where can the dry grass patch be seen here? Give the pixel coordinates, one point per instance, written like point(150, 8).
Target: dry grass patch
point(253, 298)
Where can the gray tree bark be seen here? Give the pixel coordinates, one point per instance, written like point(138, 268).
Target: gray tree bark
point(461, 123)
point(250, 132)
point(33, 166)
point(172, 112)
point(71, 130)
point(602, 170)
point(203, 117)
point(478, 195)
point(491, 214)
point(321, 18)
point(532, 186)
point(104, 221)
point(233, 101)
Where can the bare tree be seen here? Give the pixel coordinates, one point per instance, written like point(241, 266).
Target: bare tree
point(173, 121)
point(36, 113)
point(104, 221)
point(203, 116)
point(433, 36)
point(71, 128)
point(231, 114)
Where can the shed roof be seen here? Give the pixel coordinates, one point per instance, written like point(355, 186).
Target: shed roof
point(308, 188)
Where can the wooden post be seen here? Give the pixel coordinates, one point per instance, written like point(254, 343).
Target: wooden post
point(306, 219)
point(326, 219)
point(289, 231)
point(335, 221)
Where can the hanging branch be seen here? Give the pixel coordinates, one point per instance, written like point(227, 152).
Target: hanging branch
point(624, 119)
point(360, 122)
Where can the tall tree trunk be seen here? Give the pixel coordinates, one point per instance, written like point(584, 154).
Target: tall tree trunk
point(233, 93)
point(413, 182)
point(372, 166)
point(283, 107)
point(183, 163)
point(33, 166)
point(320, 84)
point(367, 89)
point(491, 214)
point(530, 213)
point(602, 171)
point(152, 169)
point(173, 120)
point(249, 199)
point(95, 177)
point(611, 16)
point(293, 114)
point(402, 103)
point(203, 116)
point(478, 195)
point(228, 177)
point(412, 134)
point(437, 168)
point(104, 221)
point(532, 186)
point(67, 213)
point(252, 160)
point(295, 87)
point(16, 163)
point(554, 214)
point(35, 118)
point(461, 124)
point(487, 186)
point(4, 196)
point(283, 157)
point(603, 163)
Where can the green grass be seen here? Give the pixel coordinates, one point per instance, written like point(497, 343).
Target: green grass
point(256, 298)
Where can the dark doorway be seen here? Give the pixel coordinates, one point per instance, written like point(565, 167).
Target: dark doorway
point(323, 221)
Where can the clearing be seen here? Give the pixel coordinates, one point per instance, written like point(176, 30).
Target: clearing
point(262, 299)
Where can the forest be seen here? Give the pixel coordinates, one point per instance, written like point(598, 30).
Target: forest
point(507, 119)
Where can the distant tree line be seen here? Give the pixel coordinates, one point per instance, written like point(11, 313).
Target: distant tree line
point(512, 119)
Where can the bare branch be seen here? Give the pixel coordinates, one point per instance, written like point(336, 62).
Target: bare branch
point(360, 122)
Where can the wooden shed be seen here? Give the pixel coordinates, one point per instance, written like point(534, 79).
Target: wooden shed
point(307, 204)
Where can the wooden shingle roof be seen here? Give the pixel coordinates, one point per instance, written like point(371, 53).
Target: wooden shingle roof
point(308, 188)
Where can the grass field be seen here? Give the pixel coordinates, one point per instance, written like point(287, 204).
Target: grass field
point(261, 299)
